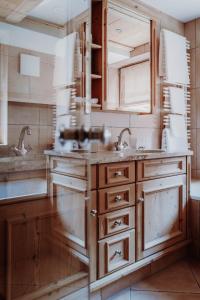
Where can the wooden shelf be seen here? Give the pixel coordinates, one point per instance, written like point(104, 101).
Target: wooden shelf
point(96, 46)
point(95, 76)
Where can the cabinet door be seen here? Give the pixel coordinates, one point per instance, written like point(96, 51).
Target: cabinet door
point(70, 203)
point(160, 214)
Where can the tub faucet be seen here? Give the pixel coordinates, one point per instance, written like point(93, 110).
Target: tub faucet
point(119, 145)
point(20, 149)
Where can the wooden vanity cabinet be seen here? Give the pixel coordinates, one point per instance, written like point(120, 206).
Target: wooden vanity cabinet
point(135, 210)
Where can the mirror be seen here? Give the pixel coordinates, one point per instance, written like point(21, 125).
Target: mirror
point(130, 61)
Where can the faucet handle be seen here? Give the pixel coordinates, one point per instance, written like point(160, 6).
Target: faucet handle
point(125, 144)
point(29, 148)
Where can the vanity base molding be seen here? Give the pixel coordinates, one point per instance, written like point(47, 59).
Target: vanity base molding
point(103, 289)
point(145, 267)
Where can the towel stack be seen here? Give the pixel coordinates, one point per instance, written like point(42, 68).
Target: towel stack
point(173, 65)
point(175, 73)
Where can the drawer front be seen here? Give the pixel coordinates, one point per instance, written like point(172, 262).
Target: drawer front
point(116, 252)
point(116, 173)
point(157, 168)
point(116, 197)
point(115, 222)
point(73, 167)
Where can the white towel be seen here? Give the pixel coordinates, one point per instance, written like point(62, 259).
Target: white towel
point(62, 101)
point(67, 60)
point(173, 58)
point(178, 126)
point(177, 100)
point(173, 144)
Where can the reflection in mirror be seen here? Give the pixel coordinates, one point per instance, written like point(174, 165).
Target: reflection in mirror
point(43, 83)
point(128, 61)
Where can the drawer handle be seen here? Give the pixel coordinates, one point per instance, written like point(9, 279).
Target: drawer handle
point(118, 252)
point(118, 198)
point(118, 223)
point(140, 200)
point(93, 212)
point(118, 173)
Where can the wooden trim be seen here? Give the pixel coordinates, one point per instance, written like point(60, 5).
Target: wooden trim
point(153, 61)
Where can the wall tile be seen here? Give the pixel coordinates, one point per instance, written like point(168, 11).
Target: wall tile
point(146, 137)
point(198, 32)
point(194, 148)
point(45, 138)
point(22, 113)
point(190, 32)
point(198, 148)
point(197, 67)
point(197, 112)
point(192, 70)
point(152, 121)
point(194, 109)
point(18, 85)
point(110, 119)
point(45, 115)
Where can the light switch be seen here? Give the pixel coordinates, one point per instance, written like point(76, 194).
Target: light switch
point(29, 65)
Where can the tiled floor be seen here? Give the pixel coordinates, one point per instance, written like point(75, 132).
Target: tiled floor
point(180, 281)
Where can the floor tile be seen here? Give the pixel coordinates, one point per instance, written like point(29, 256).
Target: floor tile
point(178, 277)
point(144, 295)
point(123, 295)
point(195, 267)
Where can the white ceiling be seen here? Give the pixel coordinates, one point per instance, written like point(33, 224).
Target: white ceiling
point(59, 11)
point(183, 10)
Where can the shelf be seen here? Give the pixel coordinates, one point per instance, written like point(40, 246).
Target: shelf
point(96, 46)
point(95, 76)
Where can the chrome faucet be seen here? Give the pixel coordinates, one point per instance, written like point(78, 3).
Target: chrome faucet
point(20, 149)
point(119, 145)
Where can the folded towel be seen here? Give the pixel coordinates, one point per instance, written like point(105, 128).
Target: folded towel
point(173, 58)
point(178, 126)
point(67, 60)
point(177, 100)
point(173, 144)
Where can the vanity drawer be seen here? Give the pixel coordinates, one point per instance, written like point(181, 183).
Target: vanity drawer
point(115, 222)
point(116, 252)
point(73, 167)
point(157, 168)
point(116, 173)
point(116, 197)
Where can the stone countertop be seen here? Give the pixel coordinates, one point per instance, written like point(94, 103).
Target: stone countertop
point(111, 156)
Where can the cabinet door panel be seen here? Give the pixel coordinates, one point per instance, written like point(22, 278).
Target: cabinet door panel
point(161, 214)
point(69, 201)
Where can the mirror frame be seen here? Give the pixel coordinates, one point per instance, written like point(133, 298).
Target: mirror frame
point(153, 58)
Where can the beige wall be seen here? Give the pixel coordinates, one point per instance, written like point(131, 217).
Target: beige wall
point(146, 129)
point(192, 32)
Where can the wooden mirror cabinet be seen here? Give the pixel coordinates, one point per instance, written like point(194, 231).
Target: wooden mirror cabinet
point(123, 51)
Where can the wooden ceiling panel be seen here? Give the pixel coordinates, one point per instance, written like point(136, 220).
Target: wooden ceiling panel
point(16, 10)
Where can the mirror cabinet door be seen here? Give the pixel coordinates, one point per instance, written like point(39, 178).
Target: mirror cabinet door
point(125, 63)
